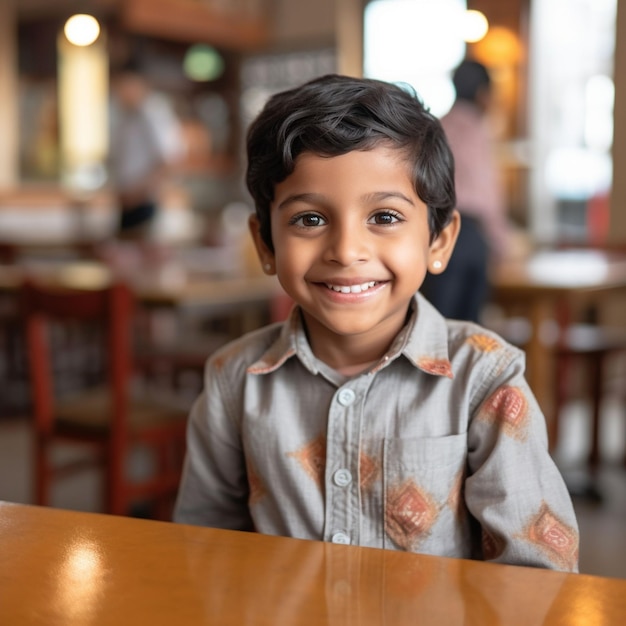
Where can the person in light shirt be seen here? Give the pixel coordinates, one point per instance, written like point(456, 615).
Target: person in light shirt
point(462, 291)
point(146, 145)
point(366, 417)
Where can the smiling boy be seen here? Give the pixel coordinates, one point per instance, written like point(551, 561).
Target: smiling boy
point(367, 418)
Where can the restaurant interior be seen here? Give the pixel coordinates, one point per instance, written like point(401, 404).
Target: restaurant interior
point(559, 70)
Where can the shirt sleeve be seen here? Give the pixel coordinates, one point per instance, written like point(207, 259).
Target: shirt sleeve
point(214, 486)
point(514, 489)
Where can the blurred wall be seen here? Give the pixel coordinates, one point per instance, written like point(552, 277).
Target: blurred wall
point(301, 24)
point(332, 23)
point(617, 228)
point(298, 24)
point(8, 95)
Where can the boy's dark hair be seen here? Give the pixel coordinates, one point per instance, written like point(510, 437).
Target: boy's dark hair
point(333, 115)
point(469, 78)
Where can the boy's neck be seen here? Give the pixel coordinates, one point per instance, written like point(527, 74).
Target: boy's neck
point(349, 355)
point(347, 358)
point(356, 369)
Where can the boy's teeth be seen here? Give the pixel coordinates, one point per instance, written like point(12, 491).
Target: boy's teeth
point(351, 288)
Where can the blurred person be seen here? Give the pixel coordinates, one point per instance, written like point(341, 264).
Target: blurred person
point(463, 289)
point(146, 144)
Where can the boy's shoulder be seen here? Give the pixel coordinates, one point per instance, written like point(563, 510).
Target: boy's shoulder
point(481, 360)
point(241, 353)
point(474, 338)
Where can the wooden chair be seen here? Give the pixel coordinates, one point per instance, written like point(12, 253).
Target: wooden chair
point(590, 346)
point(14, 396)
point(109, 418)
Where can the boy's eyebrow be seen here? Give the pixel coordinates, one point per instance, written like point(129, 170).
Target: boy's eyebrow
point(315, 198)
point(310, 198)
point(380, 196)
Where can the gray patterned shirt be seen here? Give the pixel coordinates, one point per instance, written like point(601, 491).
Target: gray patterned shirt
point(440, 448)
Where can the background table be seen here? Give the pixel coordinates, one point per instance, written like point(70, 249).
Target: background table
point(69, 568)
point(548, 286)
point(248, 297)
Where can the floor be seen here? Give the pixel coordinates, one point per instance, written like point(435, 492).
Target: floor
point(602, 521)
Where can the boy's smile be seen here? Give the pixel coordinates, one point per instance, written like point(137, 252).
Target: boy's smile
point(351, 247)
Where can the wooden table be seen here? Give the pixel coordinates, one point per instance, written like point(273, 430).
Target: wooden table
point(70, 568)
point(547, 284)
point(152, 288)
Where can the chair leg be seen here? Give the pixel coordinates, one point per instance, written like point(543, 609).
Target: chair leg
point(42, 474)
point(115, 499)
point(596, 365)
point(169, 462)
point(563, 368)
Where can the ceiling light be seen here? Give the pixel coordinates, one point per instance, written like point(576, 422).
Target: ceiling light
point(475, 26)
point(82, 29)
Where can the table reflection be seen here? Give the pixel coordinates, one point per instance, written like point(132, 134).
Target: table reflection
point(80, 580)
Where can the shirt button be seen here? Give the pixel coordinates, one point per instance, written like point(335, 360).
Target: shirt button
point(342, 477)
point(346, 397)
point(341, 538)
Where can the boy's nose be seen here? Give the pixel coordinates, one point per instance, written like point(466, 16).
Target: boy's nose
point(347, 245)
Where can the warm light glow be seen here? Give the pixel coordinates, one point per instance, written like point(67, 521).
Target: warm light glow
point(82, 29)
point(85, 275)
point(500, 46)
point(83, 112)
point(475, 26)
point(80, 582)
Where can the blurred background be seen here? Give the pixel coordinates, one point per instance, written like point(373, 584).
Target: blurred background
point(553, 63)
point(559, 74)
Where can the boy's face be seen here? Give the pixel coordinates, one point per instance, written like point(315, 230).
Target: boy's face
point(351, 243)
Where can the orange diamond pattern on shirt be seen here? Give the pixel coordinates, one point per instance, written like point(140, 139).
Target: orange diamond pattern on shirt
point(455, 499)
point(484, 343)
point(507, 406)
point(410, 513)
point(368, 471)
point(312, 458)
point(439, 367)
point(270, 362)
point(557, 540)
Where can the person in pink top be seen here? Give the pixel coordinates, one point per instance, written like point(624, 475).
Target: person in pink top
point(463, 289)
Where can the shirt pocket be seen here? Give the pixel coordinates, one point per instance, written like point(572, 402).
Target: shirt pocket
point(423, 482)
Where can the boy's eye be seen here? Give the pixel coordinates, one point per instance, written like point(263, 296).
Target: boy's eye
point(307, 220)
point(385, 217)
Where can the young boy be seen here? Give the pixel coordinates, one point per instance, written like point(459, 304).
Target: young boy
point(367, 418)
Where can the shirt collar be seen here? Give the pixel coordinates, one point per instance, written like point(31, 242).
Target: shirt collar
point(423, 341)
point(290, 342)
point(426, 344)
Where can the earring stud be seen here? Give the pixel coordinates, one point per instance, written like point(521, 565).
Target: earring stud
point(267, 267)
point(437, 265)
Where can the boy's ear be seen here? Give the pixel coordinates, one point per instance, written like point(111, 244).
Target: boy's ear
point(266, 256)
point(441, 248)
